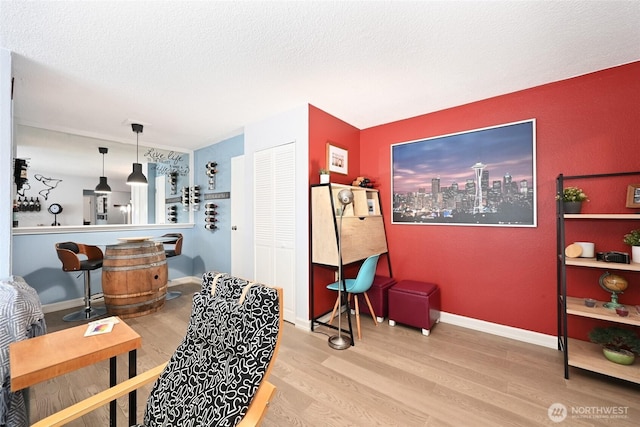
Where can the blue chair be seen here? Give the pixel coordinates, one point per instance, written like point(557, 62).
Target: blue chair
point(359, 285)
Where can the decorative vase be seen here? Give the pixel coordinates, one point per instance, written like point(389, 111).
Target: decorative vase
point(635, 254)
point(572, 207)
point(620, 356)
point(324, 178)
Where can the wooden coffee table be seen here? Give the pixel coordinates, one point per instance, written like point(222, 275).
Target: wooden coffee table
point(41, 358)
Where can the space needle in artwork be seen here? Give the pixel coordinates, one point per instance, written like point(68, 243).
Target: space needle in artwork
point(477, 203)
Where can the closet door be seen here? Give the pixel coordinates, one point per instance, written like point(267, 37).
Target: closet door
point(274, 221)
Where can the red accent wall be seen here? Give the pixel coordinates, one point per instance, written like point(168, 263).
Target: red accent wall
point(324, 127)
point(507, 275)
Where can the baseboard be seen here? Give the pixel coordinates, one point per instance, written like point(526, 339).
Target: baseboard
point(79, 302)
point(63, 305)
point(517, 334)
point(523, 335)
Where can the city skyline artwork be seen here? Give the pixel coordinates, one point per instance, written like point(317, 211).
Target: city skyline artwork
point(479, 177)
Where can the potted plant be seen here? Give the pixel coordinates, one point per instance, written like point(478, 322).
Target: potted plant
point(618, 345)
point(324, 176)
point(572, 198)
point(633, 239)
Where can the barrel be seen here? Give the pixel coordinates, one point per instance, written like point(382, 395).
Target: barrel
point(134, 278)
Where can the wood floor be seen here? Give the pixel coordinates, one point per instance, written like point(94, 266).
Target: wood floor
point(394, 376)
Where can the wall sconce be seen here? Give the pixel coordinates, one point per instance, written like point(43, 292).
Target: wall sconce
point(137, 177)
point(103, 187)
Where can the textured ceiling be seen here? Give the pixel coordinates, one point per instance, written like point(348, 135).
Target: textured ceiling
point(196, 72)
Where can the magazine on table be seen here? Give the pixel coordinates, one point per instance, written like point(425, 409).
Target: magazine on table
point(102, 326)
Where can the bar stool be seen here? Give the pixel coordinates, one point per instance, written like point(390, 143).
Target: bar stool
point(80, 257)
point(172, 243)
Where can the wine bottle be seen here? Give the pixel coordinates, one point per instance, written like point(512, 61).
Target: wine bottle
point(32, 205)
point(38, 206)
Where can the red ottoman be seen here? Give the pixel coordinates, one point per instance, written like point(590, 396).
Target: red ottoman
point(378, 295)
point(415, 304)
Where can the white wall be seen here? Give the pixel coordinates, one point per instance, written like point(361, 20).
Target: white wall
point(291, 126)
point(6, 166)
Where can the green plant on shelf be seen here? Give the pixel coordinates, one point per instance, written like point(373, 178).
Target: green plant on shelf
point(616, 339)
point(572, 194)
point(632, 238)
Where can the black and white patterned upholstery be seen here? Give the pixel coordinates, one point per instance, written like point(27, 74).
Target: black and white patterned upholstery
point(216, 370)
point(21, 317)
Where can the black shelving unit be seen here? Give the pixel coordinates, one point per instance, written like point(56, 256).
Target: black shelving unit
point(587, 356)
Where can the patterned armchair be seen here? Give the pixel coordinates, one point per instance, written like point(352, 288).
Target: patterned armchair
point(218, 374)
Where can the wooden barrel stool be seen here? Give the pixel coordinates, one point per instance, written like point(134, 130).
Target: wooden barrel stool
point(134, 278)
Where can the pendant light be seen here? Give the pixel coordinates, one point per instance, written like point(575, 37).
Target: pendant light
point(103, 187)
point(137, 177)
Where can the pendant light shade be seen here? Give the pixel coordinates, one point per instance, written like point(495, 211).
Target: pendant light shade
point(103, 187)
point(137, 177)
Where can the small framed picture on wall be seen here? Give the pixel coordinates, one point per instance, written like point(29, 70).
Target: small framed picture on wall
point(633, 196)
point(337, 159)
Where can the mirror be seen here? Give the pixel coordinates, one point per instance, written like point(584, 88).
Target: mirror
point(65, 168)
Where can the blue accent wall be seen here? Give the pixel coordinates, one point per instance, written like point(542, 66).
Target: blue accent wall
point(214, 246)
point(35, 259)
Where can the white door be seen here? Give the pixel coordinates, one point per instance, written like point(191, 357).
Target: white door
point(240, 267)
point(274, 221)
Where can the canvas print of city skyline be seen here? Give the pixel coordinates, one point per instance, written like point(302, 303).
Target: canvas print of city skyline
point(482, 177)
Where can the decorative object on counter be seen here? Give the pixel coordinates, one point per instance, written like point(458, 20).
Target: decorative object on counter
point(572, 198)
point(337, 159)
point(55, 209)
point(210, 216)
point(615, 285)
point(185, 198)
point(633, 196)
point(324, 176)
point(619, 345)
point(137, 177)
point(622, 311)
point(633, 239)
point(588, 249)
point(172, 178)
point(103, 187)
point(194, 198)
point(172, 214)
point(363, 182)
point(338, 342)
point(573, 251)
point(211, 173)
point(613, 256)
point(15, 213)
point(590, 302)
point(27, 205)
